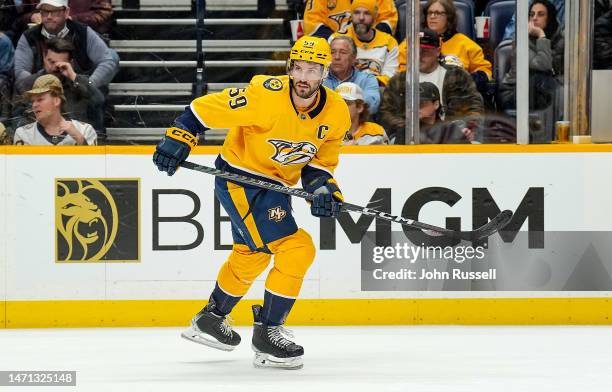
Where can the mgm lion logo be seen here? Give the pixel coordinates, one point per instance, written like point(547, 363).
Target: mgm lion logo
point(94, 218)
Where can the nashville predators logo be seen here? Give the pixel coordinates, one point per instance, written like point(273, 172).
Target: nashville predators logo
point(292, 153)
point(276, 214)
point(88, 220)
point(273, 84)
point(369, 65)
point(342, 19)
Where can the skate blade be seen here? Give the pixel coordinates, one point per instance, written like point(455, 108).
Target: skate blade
point(268, 361)
point(207, 340)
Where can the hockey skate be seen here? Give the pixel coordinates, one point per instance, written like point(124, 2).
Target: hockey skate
point(272, 349)
point(212, 330)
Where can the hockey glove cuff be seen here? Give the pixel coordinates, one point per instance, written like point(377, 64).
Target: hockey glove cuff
point(173, 149)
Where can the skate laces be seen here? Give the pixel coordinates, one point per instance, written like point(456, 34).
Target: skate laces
point(276, 335)
point(226, 326)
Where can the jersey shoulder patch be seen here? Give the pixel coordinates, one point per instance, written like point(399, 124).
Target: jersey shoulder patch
point(273, 84)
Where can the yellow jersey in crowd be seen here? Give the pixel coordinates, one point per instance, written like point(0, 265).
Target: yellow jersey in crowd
point(378, 57)
point(336, 14)
point(367, 133)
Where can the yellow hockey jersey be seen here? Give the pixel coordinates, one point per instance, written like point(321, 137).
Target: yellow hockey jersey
point(379, 56)
point(268, 135)
point(367, 133)
point(336, 14)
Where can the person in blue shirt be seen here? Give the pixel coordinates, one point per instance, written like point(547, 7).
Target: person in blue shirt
point(342, 69)
point(7, 57)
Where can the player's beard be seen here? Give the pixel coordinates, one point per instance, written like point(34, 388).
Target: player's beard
point(304, 90)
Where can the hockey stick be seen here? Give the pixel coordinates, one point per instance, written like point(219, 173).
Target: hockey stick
point(486, 230)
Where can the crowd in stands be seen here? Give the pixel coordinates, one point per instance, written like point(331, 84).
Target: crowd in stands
point(54, 55)
point(55, 68)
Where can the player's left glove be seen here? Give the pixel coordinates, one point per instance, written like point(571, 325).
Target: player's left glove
point(327, 200)
point(173, 149)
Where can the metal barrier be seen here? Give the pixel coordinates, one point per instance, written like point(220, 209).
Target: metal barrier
point(212, 46)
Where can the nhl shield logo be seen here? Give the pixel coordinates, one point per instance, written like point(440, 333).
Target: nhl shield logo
point(276, 214)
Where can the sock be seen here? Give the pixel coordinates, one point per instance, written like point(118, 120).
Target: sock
point(224, 303)
point(275, 309)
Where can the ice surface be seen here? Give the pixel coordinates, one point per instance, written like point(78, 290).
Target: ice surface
point(410, 358)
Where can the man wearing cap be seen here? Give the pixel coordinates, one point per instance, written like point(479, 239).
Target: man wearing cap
point(433, 130)
point(91, 55)
point(342, 69)
point(377, 51)
point(460, 99)
point(51, 128)
point(322, 18)
point(83, 101)
point(361, 132)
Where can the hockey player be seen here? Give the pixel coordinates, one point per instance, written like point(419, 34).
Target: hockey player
point(281, 129)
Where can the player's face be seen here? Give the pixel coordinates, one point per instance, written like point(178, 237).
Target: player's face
point(44, 105)
point(362, 21)
point(306, 77)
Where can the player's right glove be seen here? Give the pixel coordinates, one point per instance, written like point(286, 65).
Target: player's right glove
point(173, 149)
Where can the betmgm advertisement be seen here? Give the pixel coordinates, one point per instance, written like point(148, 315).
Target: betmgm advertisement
point(113, 226)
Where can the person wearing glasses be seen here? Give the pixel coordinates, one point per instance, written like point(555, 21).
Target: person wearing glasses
point(91, 56)
point(441, 17)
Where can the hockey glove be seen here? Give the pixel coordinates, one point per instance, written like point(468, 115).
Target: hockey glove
point(327, 200)
point(173, 149)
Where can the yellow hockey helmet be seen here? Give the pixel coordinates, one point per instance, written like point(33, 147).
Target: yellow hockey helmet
point(313, 49)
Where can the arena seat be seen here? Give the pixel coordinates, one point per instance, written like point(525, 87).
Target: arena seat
point(501, 12)
point(541, 122)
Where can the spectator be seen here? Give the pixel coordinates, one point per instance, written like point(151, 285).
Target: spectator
point(559, 7)
point(7, 56)
point(8, 15)
point(96, 14)
point(361, 132)
point(342, 69)
point(51, 128)
point(323, 18)
point(602, 53)
point(460, 99)
point(91, 55)
point(545, 59)
point(432, 129)
point(84, 101)
point(5, 138)
point(441, 17)
point(376, 50)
